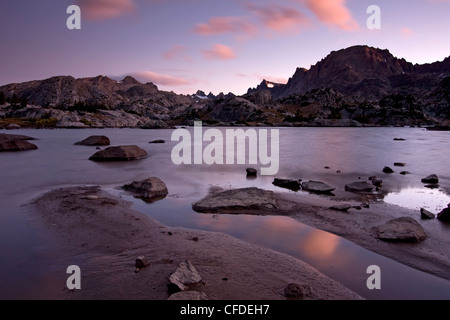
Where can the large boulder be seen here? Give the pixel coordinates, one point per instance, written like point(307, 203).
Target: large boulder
point(148, 189)
point(432, 178)
point(444, 215)
point(184, 277)
point(120, 153)
point(359, 186)
point(94, 141)
point(404, 229)
point(9, 137)
point(16, 145)
point(237, 199)
point(317, 187)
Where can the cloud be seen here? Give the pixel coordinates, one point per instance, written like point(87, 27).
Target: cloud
point(278, 18)
point(160, 79)
point(222, 25)
point(177, 52)
point(333, 13)
point(219, 52)
point(406, 32)
point(106, 9)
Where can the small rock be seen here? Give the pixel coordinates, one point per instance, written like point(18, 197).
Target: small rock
point(297, 291)
point(365, 205)
point(293, 185)
point(357, 207)
point(148, 188)
point(404, 173)
point(399, 164)
point(376, 182)
point(399, 139)
point(142, 262)
point(188, 295)
point(432, 178)
point(94, 141)
point(360, 186)
point(157, 141)
point(404, 229)
point(120, 153)
point(12, 126)
point(317, 187)
point(184, 276)
point(388, 170)
point(251, 172)
point(341, 207)
point(338, 171)
point(425, 214)
point(444, 215)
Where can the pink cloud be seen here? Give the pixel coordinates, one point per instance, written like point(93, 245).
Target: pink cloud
point(160, 79)
point(333, 13)
point(221, 25)
point(177, 52)
point(406, 32)
point(278, 18)
point(106, 9)
point(219, 52)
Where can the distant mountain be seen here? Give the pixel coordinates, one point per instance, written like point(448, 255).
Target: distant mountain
point(364, 71)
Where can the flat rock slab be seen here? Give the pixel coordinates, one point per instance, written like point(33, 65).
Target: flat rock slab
point(359, 186)
point(120, 153)
point(404, 229)
point(94, 141)
point(317, 187)
point(148, 188)
point(16, 145)
point(237, 199)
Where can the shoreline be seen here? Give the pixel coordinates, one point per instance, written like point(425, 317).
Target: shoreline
point(105, 235)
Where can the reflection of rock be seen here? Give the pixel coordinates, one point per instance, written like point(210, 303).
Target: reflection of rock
point(148, 189)
point(290, 184)
point(184, 276)
point(121, 153)
point(404, 229)
point(360, 186)
point(317, 187)
point(297, 291)
point(425, 214)
point(432, 178)
point(94, 141)
point(188, 295)
point(237, 199)
point(444, 215)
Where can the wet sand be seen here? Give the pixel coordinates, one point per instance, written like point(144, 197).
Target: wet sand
point(103, 235)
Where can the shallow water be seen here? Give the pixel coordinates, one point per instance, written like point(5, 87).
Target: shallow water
point(304, 153)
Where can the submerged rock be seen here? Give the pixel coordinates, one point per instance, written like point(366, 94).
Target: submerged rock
point(290, 184)
point(94, 141)
point(148, 188)
point(184, 276)
point(120, 153)
point(317, 187)
point(404, 229)
point(237, 199)
point(360, 186)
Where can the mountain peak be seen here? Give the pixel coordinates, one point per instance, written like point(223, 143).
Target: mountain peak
point(130, 80)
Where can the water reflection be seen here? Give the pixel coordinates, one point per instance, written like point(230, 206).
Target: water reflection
point(433, 200)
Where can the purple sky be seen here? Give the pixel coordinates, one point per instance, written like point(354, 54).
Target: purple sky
point(212, 45)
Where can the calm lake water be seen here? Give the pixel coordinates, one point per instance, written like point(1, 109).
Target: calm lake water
point(304, 153)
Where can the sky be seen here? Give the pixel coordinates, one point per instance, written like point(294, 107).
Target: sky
point(210, 45)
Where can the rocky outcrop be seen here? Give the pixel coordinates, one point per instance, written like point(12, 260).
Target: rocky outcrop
point(237, 199)
point(404, 229)
point(120, 153)
point(148, 188)
point(94, 141)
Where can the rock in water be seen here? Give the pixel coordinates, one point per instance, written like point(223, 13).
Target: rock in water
point(94, 141)
point(388, 170)
point(237, 199)
point(16, 145)
point(9, 137)
point(360, 186)
point(432, 178)
point(290, 184)
point(444, 215)
point(251, 172)
point(425, 214)
point(317, 187)
point(121, 153)
point(158, 141)
point(404, 229)
point(148, 188)
point(184, 276)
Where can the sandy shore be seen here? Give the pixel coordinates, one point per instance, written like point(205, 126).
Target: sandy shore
point(103, 235)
